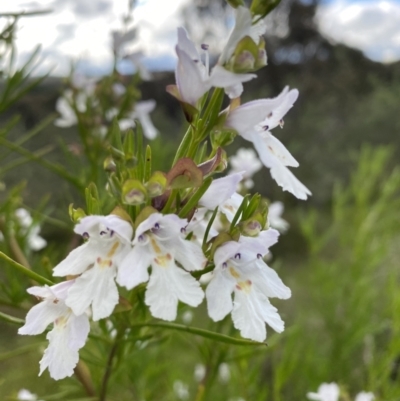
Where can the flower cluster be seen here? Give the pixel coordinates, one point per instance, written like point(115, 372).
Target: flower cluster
point(171, 228)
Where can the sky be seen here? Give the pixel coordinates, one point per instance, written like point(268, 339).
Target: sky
point(80, 30)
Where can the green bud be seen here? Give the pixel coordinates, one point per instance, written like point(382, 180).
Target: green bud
point(221, 137)
point(157, 184)
point(121, 213)
point(235, 3)
point(133, 192)
point(261, 8)
point(262, 55)
point(245, 56)
point(109, 164)
point(250, 228)
point(75, 214)
point(185, 174)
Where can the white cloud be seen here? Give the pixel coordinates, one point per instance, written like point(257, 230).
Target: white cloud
point(371, 26)
point(80, 30)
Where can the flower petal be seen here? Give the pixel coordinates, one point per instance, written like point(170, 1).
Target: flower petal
point(220, 190)
point(79, 330)
point(167, 285)
point(218, 295)
point(133, 269)
point(189, 78)
point(250, 311)
point(41, 315)
point(77, 261)
point(285, 179)
point(58, 357)
point(95, 287)
point(189, 254)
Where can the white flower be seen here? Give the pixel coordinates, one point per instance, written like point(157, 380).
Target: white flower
point(26, 395)
point(224, 372)
point(193, 79)
point(253, 120)
point(69, 333)
point(120, 38)
point(199, 372)
point(363, 396)
point(246, 160)
point(181, 390)
point(136, 59)
point(220, 190)
point(239, 268)
point(275, 220)
point(142, 113)
point(96, 261)
point(68, 116)
point(35, 241)
point(243, 27)
point(159, 242)
point(326, 392)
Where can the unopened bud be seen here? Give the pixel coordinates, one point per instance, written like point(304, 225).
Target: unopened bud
point(109, 164)
point(235, 3)
point(75, 214)
point(250, 228)
point(133, 192)
point(157, 184)
point(261, 8)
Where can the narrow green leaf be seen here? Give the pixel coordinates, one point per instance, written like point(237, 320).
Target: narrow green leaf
point(202, 333)
point(210, 223)
point(11, 319)
point(147, 164)
point(22, 350)
point(242, 207)
point(193, 201)
point(55, 168)
point(34, 276)
point(184, 145)
point(252, 206)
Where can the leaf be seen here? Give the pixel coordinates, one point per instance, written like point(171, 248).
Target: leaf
point(34, 276)
point(202, 333)
point(193, 201)
point(11, 319)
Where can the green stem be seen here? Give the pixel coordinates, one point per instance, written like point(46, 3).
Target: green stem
point(200, 332)
point(37, 277)
point(186, 141)
point(11, 319)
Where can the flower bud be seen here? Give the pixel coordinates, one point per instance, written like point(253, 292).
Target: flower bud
point(235, 3)
point(156, 185)
point(222, 137)
point(109, 164)
point(133, 192)
point(75, 214)
point(261, 8)
point(250, 228)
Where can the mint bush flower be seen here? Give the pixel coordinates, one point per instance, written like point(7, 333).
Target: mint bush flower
point(142, 113)
point(326, 392)
point(363, 396)
point(253, 121)
point(275, 220)
point(159, 242)
point(31, 230)
point(69, 331)
point(26, 395)
point(245, 160)
point(96, 261)
point(243, 27)
point(239, 268)
point(67, 113)
point(193, 78)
